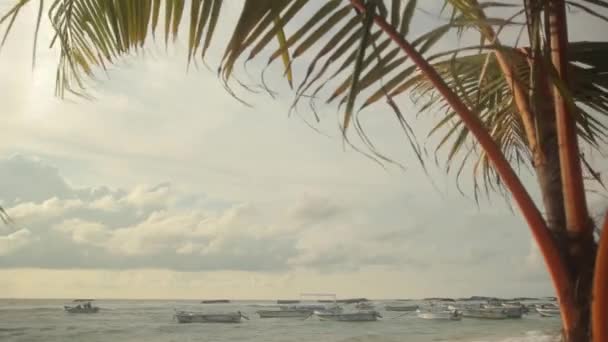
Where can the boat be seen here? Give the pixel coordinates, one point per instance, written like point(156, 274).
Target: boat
point(85, 308)
point(215, 301)
point(486, 313)
point(511, 310)
point(359, 316)
point(310, 307)
point(199, 317)
point(364, 306)
point(440, 314)
point(285, 312)
point(548, 310)
point(288, 301)
point(401, 307)
point(351, 300)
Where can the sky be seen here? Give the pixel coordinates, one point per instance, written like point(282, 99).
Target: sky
point(164, 186)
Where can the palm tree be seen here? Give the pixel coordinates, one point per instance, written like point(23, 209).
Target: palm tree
point(502, 105)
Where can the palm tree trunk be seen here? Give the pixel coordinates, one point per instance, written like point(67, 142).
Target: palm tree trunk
point(534, 218)
point(546, 159)
point(580, 254)
point(548, 174)
point(600, 288)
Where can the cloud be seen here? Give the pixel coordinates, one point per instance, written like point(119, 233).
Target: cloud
point(162, 227)
point(314, 209)
point(83, 232)
point(14, 241)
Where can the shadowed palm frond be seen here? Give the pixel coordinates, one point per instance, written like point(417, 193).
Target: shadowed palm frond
point(478, 80)
point(6, 219)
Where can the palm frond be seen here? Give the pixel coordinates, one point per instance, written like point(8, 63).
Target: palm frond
point(478, 80)
point(355, 63)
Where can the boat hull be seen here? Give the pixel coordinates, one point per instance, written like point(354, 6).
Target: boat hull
point(548, 312)
point(72, 309)
point(440, 316)
point(190, 317)
point(349, 317)
point(284, 313)
point(485, 314)
point(401, 308)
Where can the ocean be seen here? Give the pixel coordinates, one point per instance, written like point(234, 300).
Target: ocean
point(32, 320)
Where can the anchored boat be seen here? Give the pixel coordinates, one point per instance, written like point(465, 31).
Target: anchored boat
point(286, 312)
point(85, 308)
point(442, 314)
point(360, 316)
point(485, 313)
point(198, 317)
point(364, 306)
point(548, 310)
point(402, 308)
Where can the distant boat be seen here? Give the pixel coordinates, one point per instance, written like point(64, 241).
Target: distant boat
point(87, 308)
point(364, 306)
point(442, 314)
point(351, 300)
point(215, 301)
point(485, 313)
point(285, 313)
point(198, 317)
point(549, 310)
point(310, 307)
point(401, 307)
point(439, 299)
point(82, 300)
point(360, 316)
point(515, 310)
point(288, 301)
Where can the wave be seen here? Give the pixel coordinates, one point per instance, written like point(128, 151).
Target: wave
point(530, 336)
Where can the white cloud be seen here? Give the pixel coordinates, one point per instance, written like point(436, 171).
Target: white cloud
point(83, 232)
point(14, 241)
point(29, 212)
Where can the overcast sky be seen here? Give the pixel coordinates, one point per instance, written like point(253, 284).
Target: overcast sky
point(164, 186)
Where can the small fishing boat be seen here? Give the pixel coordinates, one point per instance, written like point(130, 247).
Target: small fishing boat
point(85, 308)
point(511, 311)
point(285, 312)
point(440, 315)
point(351, 300)
point(485, 313)
point(215, 301)
point(199, 317)
point(360, 316)
point(309, 307)
point(401, 307)
point(548, 311)
point(364, 306)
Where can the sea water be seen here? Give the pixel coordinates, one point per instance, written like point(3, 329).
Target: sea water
point(32, 320)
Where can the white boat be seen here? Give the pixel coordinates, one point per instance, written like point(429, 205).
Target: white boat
point(360, 316)
point(401, 307)
point(548, 311)
point(486, 313)
point(511, 311)
point(285, 313)
point(199, 317)
point(85, 308)
point(441, 315)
